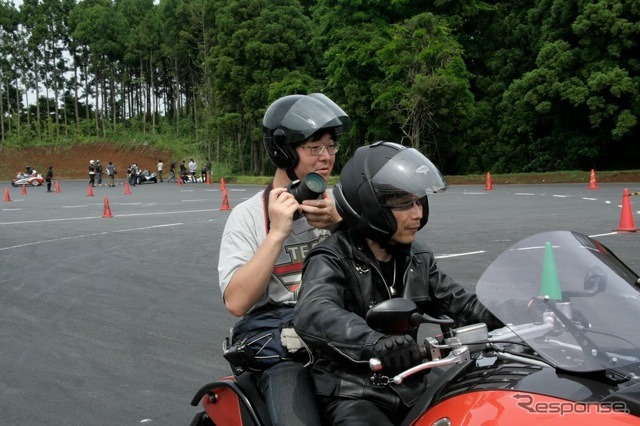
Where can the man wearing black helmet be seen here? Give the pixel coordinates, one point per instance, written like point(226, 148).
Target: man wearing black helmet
point(263, 246)
point(372, 257)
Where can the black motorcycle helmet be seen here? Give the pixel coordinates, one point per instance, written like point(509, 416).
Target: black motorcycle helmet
point(375, 177)
point(293, 119)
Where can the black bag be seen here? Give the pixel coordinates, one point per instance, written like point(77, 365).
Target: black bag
point(256, 340)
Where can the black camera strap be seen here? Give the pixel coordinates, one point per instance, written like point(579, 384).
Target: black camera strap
point(265, 201)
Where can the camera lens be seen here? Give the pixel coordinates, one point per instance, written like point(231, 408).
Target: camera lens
point(315, 183)
point(310, 187)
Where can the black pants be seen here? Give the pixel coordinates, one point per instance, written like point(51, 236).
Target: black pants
point(359, 412)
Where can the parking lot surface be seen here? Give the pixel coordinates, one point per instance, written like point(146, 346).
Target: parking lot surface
point(119, 320)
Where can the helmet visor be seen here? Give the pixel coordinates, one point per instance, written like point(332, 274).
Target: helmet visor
point(405, 178)
point(310, 114)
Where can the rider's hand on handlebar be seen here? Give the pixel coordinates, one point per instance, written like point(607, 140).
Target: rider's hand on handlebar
point(397, 353)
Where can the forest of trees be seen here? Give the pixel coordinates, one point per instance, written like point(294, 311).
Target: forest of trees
point(506, 86)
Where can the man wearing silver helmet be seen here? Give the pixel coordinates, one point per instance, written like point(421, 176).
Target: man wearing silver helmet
point(370, 258)
point(264, 243)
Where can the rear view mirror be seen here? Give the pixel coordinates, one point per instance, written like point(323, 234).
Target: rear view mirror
point(392, 316)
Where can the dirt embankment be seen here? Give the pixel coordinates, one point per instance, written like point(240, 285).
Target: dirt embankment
point(73, 162)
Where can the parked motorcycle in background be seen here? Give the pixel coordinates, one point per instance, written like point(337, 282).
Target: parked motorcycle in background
point(145, 177)
point(569, 352)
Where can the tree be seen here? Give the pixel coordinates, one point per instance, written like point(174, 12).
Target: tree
point(426, 87)
point(9, 44)
point(257, 43)
point(579, 106)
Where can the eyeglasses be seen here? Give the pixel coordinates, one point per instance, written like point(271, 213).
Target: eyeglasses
point(317, 150)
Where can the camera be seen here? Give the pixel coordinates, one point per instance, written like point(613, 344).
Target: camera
point(309, 187)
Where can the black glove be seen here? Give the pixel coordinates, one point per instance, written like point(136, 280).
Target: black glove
point(397, 353)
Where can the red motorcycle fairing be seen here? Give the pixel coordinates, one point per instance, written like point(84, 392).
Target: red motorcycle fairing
point(232, 400)
point(503, 407)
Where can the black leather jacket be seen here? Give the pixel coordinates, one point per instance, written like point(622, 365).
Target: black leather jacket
point(341, 281)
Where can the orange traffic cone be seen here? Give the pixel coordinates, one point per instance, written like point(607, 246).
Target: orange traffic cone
point(208, 179)
point(107, 210)
point(225, 201)
point(179, 180)
point(223, 187)
point(626, 215)
point(592, 182)
point(57, 187)
point(127, 189)
point(488, 185)
point(7, 197)
point(90, 192)
point(24, 189)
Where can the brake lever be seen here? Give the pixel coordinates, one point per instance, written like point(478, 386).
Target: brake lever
point(458, 354)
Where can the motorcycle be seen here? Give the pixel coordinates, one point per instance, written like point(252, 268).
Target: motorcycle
point(33, 179)
point(569, 350)
point(146, 177)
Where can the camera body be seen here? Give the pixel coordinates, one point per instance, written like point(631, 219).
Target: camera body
point(310, 187)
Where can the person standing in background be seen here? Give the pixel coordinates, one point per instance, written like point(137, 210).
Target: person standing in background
point(99, 172)
point(92, 173)
point(183, 172)
point(111, 173)
point(160, 165)
point(133, 176)
point(48, 178)
point(172, 172)
point(193, 169)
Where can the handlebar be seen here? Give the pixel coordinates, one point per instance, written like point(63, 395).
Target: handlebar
point(461, 346)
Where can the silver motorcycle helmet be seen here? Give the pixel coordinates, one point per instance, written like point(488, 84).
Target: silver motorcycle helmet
point(380, 177)
point(293, 119)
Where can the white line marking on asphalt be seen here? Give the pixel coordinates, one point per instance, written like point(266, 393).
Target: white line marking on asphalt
point(51, 241)
point(11, 210)
point(560, 196)
point(160, 213)
point(100, 217)
point(589, 199)
point(74, 207)
point(190, 201)
point(88, 235)
point(525, 193)
point(444, 256)
point(49, 220)
point(603, 235)
point(149, 227)
point(474, 193)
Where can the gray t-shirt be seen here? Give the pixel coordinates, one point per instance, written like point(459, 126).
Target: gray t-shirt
point(244, 232)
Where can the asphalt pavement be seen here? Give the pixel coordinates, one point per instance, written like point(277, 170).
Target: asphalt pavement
point(119, 320)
